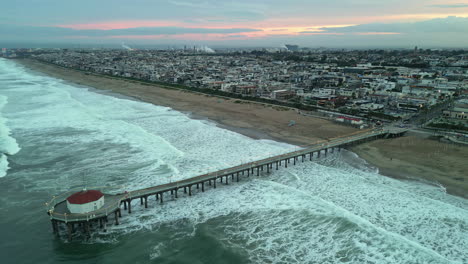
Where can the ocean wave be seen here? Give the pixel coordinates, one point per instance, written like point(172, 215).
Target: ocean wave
point(8, 144)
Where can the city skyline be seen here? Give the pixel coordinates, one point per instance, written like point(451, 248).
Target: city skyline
point(358, 23)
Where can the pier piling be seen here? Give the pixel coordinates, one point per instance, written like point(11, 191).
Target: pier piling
point(88, 231)
point(69, 231)
point(54, 226)
point(116, 217)
point(100, 217)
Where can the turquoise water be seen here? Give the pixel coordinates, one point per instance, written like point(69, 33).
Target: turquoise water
point(332, 210)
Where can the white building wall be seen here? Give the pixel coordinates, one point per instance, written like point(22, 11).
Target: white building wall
point(84, 208)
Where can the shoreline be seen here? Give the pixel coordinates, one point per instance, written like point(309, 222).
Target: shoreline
point(395, 158)
point(251, 133)
point(241, 116)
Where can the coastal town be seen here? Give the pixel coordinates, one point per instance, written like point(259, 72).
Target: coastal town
point(359, 87)
point(182, 131)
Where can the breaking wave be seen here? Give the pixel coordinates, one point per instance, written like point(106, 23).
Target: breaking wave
point(8, 144)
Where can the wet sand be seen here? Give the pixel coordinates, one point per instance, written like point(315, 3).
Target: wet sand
point(415, 157)
point(409, 157)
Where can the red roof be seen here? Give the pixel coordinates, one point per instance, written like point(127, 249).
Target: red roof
point(85, 197)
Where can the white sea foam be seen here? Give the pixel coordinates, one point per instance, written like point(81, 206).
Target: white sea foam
point(325, 211)
point(3, 165)
point(8, 145)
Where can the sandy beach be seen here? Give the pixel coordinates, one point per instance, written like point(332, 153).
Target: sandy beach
point(253, 119)
point(416, 157)
point(409, 157)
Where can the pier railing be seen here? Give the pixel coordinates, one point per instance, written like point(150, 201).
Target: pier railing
point(316, 146)
point(113, 202)
point(110, 205)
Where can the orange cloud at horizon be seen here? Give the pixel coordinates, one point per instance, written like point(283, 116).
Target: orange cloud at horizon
point(123, 24)
point(267, 28)
point(277, 23)
point(188, 36)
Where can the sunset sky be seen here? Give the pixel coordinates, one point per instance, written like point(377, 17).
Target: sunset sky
point(241, 22)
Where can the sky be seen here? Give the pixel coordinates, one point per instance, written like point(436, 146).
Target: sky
point(268, 23)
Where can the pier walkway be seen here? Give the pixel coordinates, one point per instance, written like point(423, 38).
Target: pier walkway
point(59, 213)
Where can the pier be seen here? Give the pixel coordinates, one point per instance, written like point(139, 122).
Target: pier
point(110, 212)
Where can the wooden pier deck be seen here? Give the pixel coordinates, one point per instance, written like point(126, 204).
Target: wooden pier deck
point(59, 213)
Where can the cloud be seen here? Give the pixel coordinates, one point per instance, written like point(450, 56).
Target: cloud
point(189, 4)
point(319, 33)
point(446, 32)
point(166, 31)
point(58, 32)
point(461, 5)
point(311, 31)
point(235, 11)
point(376, 33)
point(438, 25)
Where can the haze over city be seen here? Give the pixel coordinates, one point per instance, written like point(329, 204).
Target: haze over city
point(331, 23)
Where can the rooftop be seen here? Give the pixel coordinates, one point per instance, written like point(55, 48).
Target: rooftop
point(85, 196)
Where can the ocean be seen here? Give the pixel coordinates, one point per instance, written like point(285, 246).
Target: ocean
point(336, 209)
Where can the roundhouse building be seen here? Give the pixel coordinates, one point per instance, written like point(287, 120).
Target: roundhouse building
point(85, 201)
